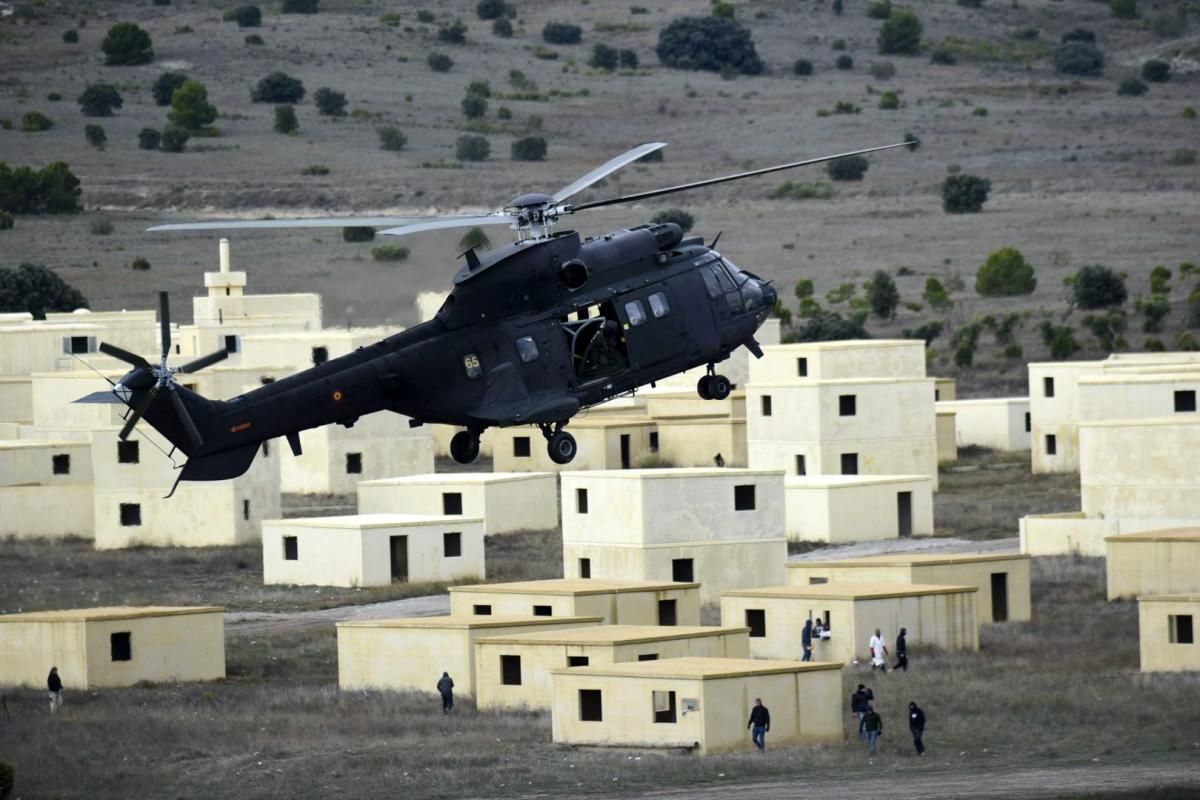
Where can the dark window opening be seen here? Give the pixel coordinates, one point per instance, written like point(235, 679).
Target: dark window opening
point(664, 706)
point(756, 621)
point(353, 463)
point(543, 611)
point(452, 545)
point(291, 548)
point(452, 503)
point(1185, 400)
point(585, 568)
point(521, 447)
point(320, 355)
point(79, 344)
point(847, 405)
point(648, 657)
point(246, 510)
point(231, 344)
point(131, 514)
point(266, 449)
point(1051, 444)
point(828, 620)
point(937, 395)
point(510, 670)
point(801, 467)
point(653, 441)
point(681, 570)
point(121, 646)
point(802, 367)
point(766, 405)
point(812, 579)
point(849, 463)
point(1048, 387)
point(1180, 628)
point(266, 379)
point(577, 661)
point(743, 498)
point(581, 501)
point(1028, 422)
point(482, 610)
point(128, 452)
point(591, 705)
point(61, 464)
point(999, 596)
point(666, 613)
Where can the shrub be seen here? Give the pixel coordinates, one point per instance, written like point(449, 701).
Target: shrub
point(190, 108)
point(426, 16)
point(101, 226)
point(882, 295)
point(1131, 87)
point(490, 9)
point(845, 107)
point(678, 216)
point(1006, 273)
point(889, 101)
point(1155, 309)
point(911, 141)
point(149, 138)
point(838, 7)
point(245, 16)
point(53, 189)
point(1108, 328)
point(828, 328)
point(300, 6)
point(502, 28)
point(964, 194)
point(285, 119)
point(799, 190)
point(54, 97)
point(927, 331)
point(165, 86)
point(879, 9)
point(173, 139)
point(70, 37)
point(844, 61)
point(1097, 286)
point(628, 59)
point(883, 70)
point(1156, 71)
point(901, 33)
point(6, 223)
point(315, 169)
point(1123, 9)
point(1060, 339)
point(391, 138)
point(329, 102)
point(127, 44)
point(278, 87)
point(35, 122)
point(504, 112)
point(439, 62)
point(454, 33)
point(1182, 157)
point(940, 55)
point(562, 33)
point(474, 239)
point(1078, 58)
point(530, 148)
point(474, 106)
point(936, 296)
point(723, 8)
point(481, 88)
point(36, 289)
point(1160, 280)
point(603, 57)
point(389, 252)
point(99, 100)
point(472, 148)
point(1079, 35)
point(802, 66)
point(253, 39)
point(707, 43)
point(838, 44)
point(850, 168)
point(140, 264)
point(95, 136)
point(356, 234)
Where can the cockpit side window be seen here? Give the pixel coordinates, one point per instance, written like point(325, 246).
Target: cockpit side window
point(636, 313)
point(527, 348)
point(659, 306)
point(738, 276)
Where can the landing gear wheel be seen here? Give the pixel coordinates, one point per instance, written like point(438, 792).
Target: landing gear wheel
point(562, 448)
point(464, 447)
point(719, 387)
point(702, 388)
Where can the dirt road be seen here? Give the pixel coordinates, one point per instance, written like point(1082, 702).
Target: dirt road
point(254, 623)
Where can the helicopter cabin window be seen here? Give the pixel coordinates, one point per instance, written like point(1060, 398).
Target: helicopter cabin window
point(659, 306)
point(471, 365)
point(636, 313)
point(527, 348)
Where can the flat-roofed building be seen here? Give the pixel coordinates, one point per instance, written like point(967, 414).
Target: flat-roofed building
point(947, 437)
point(998, 423)
point(617, 602)
point(45, 488)
point(1167, 632)
point(604, 443)
point(853, 508)
point(1154, 562)
point(507, 502)
point(701, 440)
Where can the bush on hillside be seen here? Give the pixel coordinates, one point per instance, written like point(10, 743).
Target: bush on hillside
point(964, 194)
point(678, 216)
point(36, 289)
point(190, 108)
point(530, 148)
point(707, 43)
point(850, 168)
point(126, 44)
point(330, 102)
point(53, 189)
point(1097, 286)
point(1078, 58)
point(562, 33)
point(245, 16)
point(99, 100)
point(901, 34)
point(472, 148)
point(1006, 273)
point(278, 87)
point(165, 85)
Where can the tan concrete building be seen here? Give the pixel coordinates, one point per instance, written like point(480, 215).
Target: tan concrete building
point(696, 703)
point(104, 647)
point(372, 550)
point(1154, 562)
point(1002, 580)
point(853, 508)
point(604, 443)
point(943, 616)
point(1167, 632)
point(947, 438)
point(944, 389)
point(701, 441)
point(999, 423)
point(514, 670)
point(411, 654)
point(37, 476)
point(726, 527)
point(507, 502)
point(616, 602)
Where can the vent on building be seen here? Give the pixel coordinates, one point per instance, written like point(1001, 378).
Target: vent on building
point(802, 367)
point(1051, 444)
point(766, 405)
point(481, 610)
point(1048, 387)
point(246, 510)
point(648, 657)
point(231, 344)
point(585, 568)
point(452, 545)
point(1028, 422)
point(577, 661)
point(682, 571)
point(543, 611)
point(653, 441)
point(801, 467)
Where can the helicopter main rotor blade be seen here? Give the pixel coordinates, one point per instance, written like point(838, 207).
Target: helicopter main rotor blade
point(204, 361)
point(606, 169)
point(185, 418)
point(316, 222)
point(468, 221)
point(124, 355)
point(630, 198)
point(137, 414)
point(164, 319)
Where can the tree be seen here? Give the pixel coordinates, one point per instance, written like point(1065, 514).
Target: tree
point(474, 106)
point(439, 62)
point(531, 148)
point(882, 295)
point(300, 6)
point(1156, 70)
point(1078, 58)
point(391, 138)
point(99, 100)
point(35, 122)
point(174, 139)
point(1123, 9)
point(36, 289)
point(964, 194)
point(126, 44)
point(481, 88)
point(604, 57)
point(889, 101)
point(329, 102)
point(1155, 309)
point(454, 33)
point(472, 148)
point(149, 138)
point(358, 234)
point(927, 331)
point(562, 33)
point(285, 119)
point(850, 168)
point(707, 43)
point(844, 61)
point(828, 328)
point(1160, 280)
point(245, 16)
point(165, 86)
point(278, 87)
point(900, 33)
point(502, 28)
point(1097, 286)
point(1006, 273)
point(1060, 339)
point(628, 58)
point(490, 9)
point(804, 289)
point(936, 296)
point(678, 216)
point(474, 239)
point(879, 9)
point(1108, 328)
point(802, 66)
point(1130, 86)
point(190, 108)
point(70, 37)
point(95, 136)
point(1079, 35)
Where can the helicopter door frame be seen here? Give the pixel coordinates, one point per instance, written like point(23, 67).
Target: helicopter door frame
point(654, 325)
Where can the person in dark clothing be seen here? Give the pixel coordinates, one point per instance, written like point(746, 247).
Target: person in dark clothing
point(860, 703)
point(759, 724)
point(873, 725)
point(916, 724)
point(806, 640)
point(901, 651)
point(445, 687)
point(54, 687)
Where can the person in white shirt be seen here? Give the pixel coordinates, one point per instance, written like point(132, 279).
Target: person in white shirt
point(879, 651)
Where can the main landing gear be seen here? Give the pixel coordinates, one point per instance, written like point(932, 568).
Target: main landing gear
point(713, 386)
point(560, 445)
point(464, 446)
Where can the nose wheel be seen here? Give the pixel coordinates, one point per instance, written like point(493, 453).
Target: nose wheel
point(560, 445)
point(464, 447)
point(714, 387)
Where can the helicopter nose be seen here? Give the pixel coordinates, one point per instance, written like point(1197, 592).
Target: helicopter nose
point(770, 296)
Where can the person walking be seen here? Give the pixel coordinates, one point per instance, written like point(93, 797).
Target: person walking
point(902, 651)
point(54, 686)
point(806, 640)
point(759, 724)
point(860, 702)
point(879, 651)
point(873, 725)
point(916, 724)
point(445, 687)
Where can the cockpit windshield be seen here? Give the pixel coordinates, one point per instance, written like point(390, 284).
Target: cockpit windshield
point(738, 276)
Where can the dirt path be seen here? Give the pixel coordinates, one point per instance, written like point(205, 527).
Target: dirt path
point(925, 545)
point(257, 622)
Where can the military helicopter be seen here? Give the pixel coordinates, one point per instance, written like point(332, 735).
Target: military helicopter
point(532, 333)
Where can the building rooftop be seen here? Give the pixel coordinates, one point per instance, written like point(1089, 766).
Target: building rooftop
point(1170, 598)
point(1177, 373)
point(1165, 535)
point(850, 591)
point(35, 444)
point(815, 383)
point(109, 613)
point(700, 419)
point(844, 344)
point(842, 481)
point(361, 521)
point(1179, 419)
point(581, 586)
point(672, 473)
point(456, 478)
point(983, 401)
point(614, 634)
point(697, 668)
point(466, 623)
point(913, 559)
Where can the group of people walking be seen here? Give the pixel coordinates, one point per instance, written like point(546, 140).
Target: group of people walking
point(870, 723)
point(879, 651)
